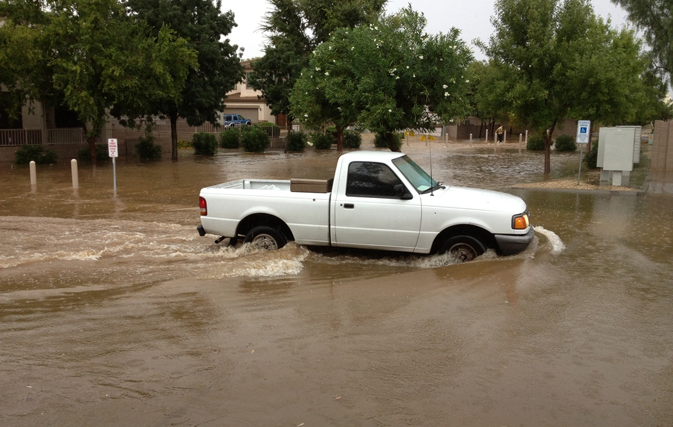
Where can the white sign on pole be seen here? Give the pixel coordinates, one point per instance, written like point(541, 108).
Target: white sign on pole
point(113, 151)
point(112, 148)
point(583, 131)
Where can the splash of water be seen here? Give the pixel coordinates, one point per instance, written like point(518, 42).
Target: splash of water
point(557, 245)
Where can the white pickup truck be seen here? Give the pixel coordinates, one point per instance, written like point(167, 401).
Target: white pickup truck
point(377, 200)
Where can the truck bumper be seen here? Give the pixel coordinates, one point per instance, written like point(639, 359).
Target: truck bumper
point(511, 244)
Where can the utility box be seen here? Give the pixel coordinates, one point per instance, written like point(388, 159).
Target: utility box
point(637, 134)
point(615, 155)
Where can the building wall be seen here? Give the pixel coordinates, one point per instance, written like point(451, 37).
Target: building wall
point(662, 148)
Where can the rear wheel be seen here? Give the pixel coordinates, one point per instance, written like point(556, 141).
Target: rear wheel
point(463, 248)
point(265, 238)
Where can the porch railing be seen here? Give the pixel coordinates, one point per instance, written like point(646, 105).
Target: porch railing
point(15, 137)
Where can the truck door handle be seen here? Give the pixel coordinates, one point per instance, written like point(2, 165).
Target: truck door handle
point(349, 206)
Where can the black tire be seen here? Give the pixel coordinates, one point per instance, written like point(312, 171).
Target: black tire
point(463, 248)
point(265, 238)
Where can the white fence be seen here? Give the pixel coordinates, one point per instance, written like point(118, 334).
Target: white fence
point(14, 137)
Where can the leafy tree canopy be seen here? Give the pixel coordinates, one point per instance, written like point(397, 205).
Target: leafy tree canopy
point(295, 28)
point(655, 18)
point(386, 76)
point(205, 28)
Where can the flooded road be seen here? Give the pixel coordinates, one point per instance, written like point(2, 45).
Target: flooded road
point(113, 311)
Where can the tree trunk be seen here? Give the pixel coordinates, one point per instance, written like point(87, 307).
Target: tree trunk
point(288, 123)
point(340, 138)
point(91, 140)
point(174, 136)
point(547, 149)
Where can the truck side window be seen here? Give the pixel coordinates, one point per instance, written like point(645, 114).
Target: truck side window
point(366, 179)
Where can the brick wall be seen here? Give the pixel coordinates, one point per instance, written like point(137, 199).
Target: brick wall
point(662, 148)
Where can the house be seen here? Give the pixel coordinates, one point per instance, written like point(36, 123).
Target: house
point(248, 102)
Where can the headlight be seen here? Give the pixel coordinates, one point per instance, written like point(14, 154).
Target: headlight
point(521, 221)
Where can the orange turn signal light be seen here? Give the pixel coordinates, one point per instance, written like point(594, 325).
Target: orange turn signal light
point(520, 222)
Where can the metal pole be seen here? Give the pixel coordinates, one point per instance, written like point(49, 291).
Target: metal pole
point(579, 173)
point(114, 173)
point(486, 135)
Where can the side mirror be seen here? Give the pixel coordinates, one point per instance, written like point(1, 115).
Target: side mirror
point(402, 192)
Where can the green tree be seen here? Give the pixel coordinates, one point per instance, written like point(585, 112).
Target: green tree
point(19, 57)
point(96, 59)
point(558, 61)
point(387, 76)
point(205, 28)
point(655, 18)
point(294, 29)
point(486, 92)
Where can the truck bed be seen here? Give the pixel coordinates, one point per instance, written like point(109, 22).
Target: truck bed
point(293, 185)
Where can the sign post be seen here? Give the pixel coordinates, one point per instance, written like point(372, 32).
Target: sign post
point(583, 137)
point(113, 151)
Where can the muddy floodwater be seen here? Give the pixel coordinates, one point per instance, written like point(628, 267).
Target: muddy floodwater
point(113, 311)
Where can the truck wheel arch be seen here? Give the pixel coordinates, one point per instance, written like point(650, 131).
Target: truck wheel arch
point(256, 220)
point(478, 233)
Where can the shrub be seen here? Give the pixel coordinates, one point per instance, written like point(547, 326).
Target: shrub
point(323, 141)
point(592, 156)
point(230, 138)
point(352, 139)
point(254, 140)
point(331, 129)
point(296, 141)
point(565, 143)
point(271, 129)
point(184, 144)
point(36, 153)
point(102, 154)
point(381, 141)
point(147, 149)
point(205, 144)
point(535, 143)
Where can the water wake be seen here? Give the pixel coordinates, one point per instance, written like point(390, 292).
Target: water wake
point(557, 245)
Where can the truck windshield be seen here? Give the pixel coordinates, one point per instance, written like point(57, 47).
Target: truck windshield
point(416, 176)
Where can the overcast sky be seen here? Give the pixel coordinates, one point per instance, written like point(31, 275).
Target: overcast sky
point(472, 18)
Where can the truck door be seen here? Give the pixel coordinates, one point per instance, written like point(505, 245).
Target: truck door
point(369, 211)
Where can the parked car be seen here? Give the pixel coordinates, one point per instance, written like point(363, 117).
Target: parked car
point(376, 200)
point(235, 120)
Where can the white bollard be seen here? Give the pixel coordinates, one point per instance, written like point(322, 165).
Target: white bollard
point(75, 175)
point(33, 174)
point(504, 137)
point(486, 135)
point(470, 139)
point(520, 137)
point(526, 137)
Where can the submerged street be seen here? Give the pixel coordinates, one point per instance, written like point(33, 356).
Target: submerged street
point(113, 311)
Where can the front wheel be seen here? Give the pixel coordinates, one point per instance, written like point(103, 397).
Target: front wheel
point(463, 248)
point(265, 238)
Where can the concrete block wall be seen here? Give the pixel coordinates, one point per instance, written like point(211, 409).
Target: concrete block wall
point(662, 147)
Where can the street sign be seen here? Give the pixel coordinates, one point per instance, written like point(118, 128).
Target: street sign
point(112, 148)
point(583, 137)
point(113, 151)
point(583, 131)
